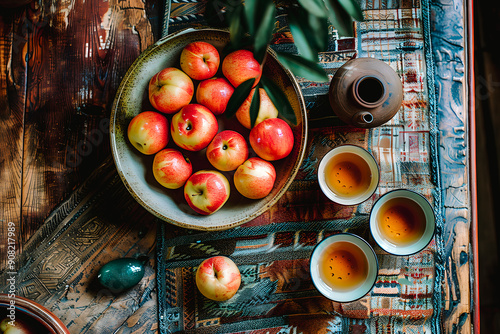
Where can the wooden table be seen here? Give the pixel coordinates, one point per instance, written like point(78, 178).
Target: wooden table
point(60, 65)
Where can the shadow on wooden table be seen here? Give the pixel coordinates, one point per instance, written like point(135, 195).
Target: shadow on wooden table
point(487, 68)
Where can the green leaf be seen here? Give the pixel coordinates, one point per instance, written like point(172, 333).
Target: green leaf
point(239, 95)
point(310, 33)
point(315, 7)
point(340, 19)
point(352, 8)
point(279, 99)
point(319, 25)
point(251, 14)
point(236, 19)
point(302, 35)
point(303, 67)
point(264, 33)
point(255, 106)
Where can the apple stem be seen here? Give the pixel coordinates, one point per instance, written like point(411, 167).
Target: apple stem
point(215, 272)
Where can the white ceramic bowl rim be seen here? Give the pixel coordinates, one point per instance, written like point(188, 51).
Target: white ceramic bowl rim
point(360, 291)
point(430, 225)
point(370, 160)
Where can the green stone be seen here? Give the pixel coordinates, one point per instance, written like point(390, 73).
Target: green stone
point(121, 274)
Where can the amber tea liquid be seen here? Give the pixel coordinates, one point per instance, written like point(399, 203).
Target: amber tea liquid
point(401, 221)
point(343, 266)
point(348, 175)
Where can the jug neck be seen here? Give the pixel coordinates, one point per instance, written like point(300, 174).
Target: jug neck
point(369, 91)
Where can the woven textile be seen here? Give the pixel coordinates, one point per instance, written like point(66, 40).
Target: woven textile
point(272, 252)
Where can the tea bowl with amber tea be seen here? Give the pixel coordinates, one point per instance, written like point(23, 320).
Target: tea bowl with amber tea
point(402, 222)
point(348, 175)
point(343, 267)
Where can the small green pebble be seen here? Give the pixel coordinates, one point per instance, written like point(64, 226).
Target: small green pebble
point(121, 274)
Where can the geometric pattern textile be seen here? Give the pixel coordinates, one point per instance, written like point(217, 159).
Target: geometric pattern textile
point(272, 251)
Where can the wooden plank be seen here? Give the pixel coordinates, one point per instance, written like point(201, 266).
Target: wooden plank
point(77, 54)
point(448, 46)
point(62, 259)
point(12, 90)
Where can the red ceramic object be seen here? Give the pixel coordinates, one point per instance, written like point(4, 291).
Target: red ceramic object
point(38, 317)
point(366, 92)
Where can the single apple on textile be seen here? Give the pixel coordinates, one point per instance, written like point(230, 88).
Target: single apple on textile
point(214, 93)
point(206, 191)
point(227, 150)
point(7, 326)
point(255, 178)
point(148, 132)
point(239, 66)
point(218, 278)
point(171, 168)
point(267, 109)
point(170, 90)
point(200, 60)
point(193, 127)
point(272, 139)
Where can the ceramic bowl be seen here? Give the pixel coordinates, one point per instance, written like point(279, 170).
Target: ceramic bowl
point(364, 267)
point(135, 169)
point(39, 318)
point(372, 173)
point(405, 199)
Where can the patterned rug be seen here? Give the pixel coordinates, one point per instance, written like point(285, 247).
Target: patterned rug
point(272, 252)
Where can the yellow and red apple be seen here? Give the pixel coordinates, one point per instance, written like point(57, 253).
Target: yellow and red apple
point(200, 60)
point(272, 139)
point(214, 93)
point(170, 90)
point(171, 168)
point(227, 150)
point(267, 109)
point(255, 178)
point(206, 191)
point(18, 326)
point(148, 132)
point(193, 127)
point(239, 66)
point(218, 278)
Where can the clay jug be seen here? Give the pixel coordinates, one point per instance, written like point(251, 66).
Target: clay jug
point(366, 92)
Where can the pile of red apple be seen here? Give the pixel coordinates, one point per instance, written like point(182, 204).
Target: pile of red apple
point(194, 126)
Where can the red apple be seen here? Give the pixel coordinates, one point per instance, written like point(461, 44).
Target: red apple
point(218, 278)
point(255, 178)
point(148, 132)
point(206, 191)
point(266, 109)
point(200, 60)
point(171, 168)
point(227, 150)
point(272, 139)
point(170, 90)
point(214, 94)
point(193, 127)
point(239, 66)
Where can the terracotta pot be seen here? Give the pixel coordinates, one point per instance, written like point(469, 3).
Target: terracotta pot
point(366, 92)
point(37, 316)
